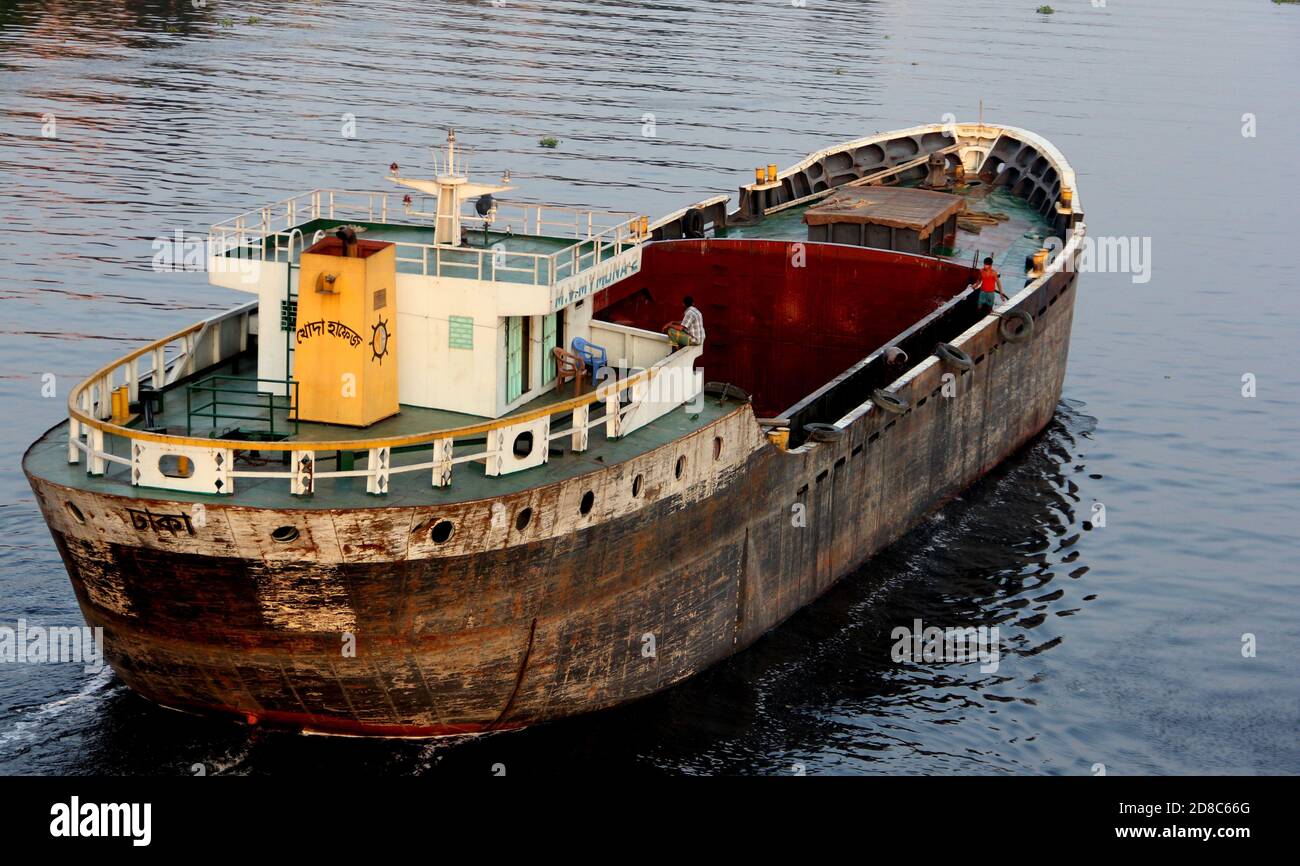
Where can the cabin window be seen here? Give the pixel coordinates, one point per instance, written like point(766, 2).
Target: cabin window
point(526, 362)
point(289, 313)
point(460, 332)
point(381, 299)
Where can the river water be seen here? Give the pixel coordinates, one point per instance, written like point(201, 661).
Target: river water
point(1122, 643)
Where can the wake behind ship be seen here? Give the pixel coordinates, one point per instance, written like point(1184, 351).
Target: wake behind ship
point(459, 466)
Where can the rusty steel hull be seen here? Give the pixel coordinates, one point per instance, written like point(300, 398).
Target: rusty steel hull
point(500, 628)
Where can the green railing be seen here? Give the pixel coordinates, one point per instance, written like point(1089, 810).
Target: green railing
point(218, 401)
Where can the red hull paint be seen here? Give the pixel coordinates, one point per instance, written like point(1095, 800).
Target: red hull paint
point(309, 723)
point(778, 325)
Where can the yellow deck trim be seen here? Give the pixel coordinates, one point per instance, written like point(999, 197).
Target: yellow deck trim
point(108, 427)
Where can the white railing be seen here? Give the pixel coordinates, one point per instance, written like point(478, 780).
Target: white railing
point(712, 201)
point(200, 346)
point(633, 347)
point(266, 234)
point(199, 465)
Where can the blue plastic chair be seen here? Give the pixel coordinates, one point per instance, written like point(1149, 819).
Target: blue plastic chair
point(592, 355)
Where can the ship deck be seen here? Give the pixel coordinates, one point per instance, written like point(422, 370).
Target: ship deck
point(500, 254)
point(782, 334)
point(1008, 242)
point(48, 456)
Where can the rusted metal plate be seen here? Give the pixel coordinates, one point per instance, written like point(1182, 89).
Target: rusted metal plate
point(919, 210)
point(501, 626)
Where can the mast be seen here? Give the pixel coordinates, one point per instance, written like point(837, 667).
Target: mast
point(452, 187)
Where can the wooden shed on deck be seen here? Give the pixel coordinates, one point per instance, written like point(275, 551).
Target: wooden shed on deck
point(902, 219)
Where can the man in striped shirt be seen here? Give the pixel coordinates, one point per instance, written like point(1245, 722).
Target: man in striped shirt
point(690, 330)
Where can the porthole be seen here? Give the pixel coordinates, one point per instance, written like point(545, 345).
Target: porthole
point(636, 485)
point(441, 531)
point(588, 500)
point(176, 466)
point(524, 444)
point(680, 468)
point(284, 534)
point(523, 518)
point(81, 518)
point(717, 447)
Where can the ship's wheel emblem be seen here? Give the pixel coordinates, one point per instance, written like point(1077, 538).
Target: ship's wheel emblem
point(379, 340)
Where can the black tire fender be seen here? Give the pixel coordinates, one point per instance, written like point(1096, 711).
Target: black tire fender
point(1016, 335)
point(693, 223)
point(819, 432)
point(891, 403)
point(953, 357)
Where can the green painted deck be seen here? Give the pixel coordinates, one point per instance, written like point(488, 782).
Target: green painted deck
point(242, 370)
point(240, 386)
point(1009, 243)
point(48, 457)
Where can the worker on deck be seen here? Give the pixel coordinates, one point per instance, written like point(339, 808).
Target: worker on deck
point(990, 284)
point(690, 330)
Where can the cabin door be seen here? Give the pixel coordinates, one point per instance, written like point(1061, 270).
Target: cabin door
point(516, 357)
point(552, 336)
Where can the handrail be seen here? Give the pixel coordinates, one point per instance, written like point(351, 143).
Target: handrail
point(74, 396)
point(263, 399)
point(326, 203)
point(427, 437)
point(302, 242)
point(672, 216)
point(214, 463)
point(252, 229)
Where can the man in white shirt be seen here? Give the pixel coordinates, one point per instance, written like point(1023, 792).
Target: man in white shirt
point(690, 330)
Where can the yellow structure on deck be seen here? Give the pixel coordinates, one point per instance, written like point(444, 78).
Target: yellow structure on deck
point(344, 347)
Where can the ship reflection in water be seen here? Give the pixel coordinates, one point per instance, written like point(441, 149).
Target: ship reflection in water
point(821, 693)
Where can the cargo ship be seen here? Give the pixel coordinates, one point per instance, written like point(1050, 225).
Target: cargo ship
point(465, 464)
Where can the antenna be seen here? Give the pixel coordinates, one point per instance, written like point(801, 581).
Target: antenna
point(452, 187)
